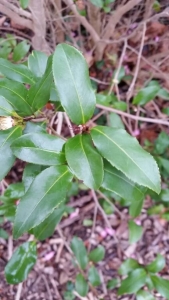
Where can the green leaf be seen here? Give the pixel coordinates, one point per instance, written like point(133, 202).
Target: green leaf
point(37, 62)
point(111, 284)
point(80, 252)
point(16, 94)
point(125, 153)
point(21, 263)
point(157, 265)
point(39, 148)
point(81, 285)
point(24, 3)
point(136, 207)
point(133, 282)
point(39, 93)
point(135, 232)
point(162, 142)
point(97, 254)
point(20, 51)
point(93, 276)
point(143, 295)
point(6, 157)
point(98, 3)
point(120, 74)
point(16, 72)
point(46, 192)
point(29, 174)
point(15, 191)
point(128, 265)
point(73, 84)
point(3, 234)
point(146, 94)
point(47, 227)
point(163, 93)
point(115, 121)
point(120, 105)
point(35, 127)
point(5, 108)
point(85, 162)
point(118, 183)
point(161, 285)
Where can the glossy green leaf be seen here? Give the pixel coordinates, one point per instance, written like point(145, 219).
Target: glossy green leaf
point(143, 295)
point(39, 148)
point(47, 227)
point(128, 265)
point(125, 153)
point(21, 263)
point(39, 93)
point(85, 162)
point(135, 232)
point(16, 72)
point(24, 3)
point(133, 282)
point(111, 284)
point(118, 183)
point(115, 121)
point(37, 62)
point(5, 108)
point(29, 174)
point(20, 50)
point(46, 192)
point(93, 276)
point(73, 84)
point(81, 285)
point(80, 252)
point(6, 157)
point(161, 285)
point(3, 234)
point(16, 94)
point(15, 191)
point(157, 265)
point(98, 3)
point(35, 127)
point(162, 142)
point(97, 254)
point(146, 94)
point(136, 207)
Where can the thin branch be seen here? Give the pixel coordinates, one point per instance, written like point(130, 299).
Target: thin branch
point(18, 10)
point(19, 291)
point(122, 113)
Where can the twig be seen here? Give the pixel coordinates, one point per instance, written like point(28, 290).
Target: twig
point(69, 125)
point(114, 207)
point(60, 122)
point(19, 291)
point(122, 113)
point(47, 287)
point(130, 90)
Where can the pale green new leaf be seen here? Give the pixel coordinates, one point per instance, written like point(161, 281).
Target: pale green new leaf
point(125, 153)
point(84, 161)
point(6, 157)
point(46, 192)
point(71, 77)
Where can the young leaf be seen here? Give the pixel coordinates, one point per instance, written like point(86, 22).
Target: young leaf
point(24, 3)
point(93, 276)
point(157, 265)
point(143, 295)
point(161, 285)
point(20, 51)
point(39, 93)
point(47, 227)
point(84, 161)
point(5, 108)
point(21, 263)
point(128, 265)
point(41, 199)
point(16, 94)
point(146, 94)
point(73, 84)
point(39, 148)
point(135, 232)
point(16, 72)
point(81, 285)
point(118, 183)
point(133, 282)
point(97, 254)
point(80, 252)
point(6, 157)
point(125, 153)
point(37, 62)
point(29, 174)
